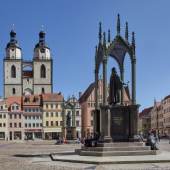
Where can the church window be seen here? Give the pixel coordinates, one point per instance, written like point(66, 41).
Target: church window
point(13, 91)
point(43, 91)
point(13, 71)
point(43, 71)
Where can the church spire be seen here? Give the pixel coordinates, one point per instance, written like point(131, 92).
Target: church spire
point(118, 24)
point(42, 38)
point(13, 36)
point(104, 38)
point(13, 51)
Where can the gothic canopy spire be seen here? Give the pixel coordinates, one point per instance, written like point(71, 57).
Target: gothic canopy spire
point(104, 38)
point(118, 24)
point(108, 36)
point(126, 32)
point(133, 41)
point(100, 32)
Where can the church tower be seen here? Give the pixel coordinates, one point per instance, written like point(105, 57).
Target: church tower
point(42, 67)
point(12, 68)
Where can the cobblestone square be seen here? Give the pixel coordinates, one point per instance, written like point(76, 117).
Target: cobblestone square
point(10, 158)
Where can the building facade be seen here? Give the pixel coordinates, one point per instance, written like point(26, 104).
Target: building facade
point(52, 115)
point(144, 121)
point(15, 118)
point(160, 116)
point(32, 114)
point(72, 118)
point(87, 103)
point(22, 77)
point(164, 118)
point(3, 120)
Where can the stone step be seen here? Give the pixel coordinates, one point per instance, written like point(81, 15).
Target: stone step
point(129, 148)
point(118, 153)
point(120, 144)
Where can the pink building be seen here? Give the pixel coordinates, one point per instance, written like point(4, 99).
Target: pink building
point(87, 102)
point(15, 118)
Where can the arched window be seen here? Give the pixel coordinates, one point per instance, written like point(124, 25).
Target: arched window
point(43, 71)
point(43, 90)
point(13, 91)
point(13, 71)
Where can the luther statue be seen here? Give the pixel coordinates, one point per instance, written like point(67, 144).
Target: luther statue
point(115, 88)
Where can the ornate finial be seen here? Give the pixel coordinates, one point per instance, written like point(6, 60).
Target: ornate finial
point(108, 36)
point(104, 38)
point(13, 35)
point(95, 52)
point(118, 24)
point(126, 32)
point(100, 32)
point(96, 49)
point(133, 41)
point(133, 38)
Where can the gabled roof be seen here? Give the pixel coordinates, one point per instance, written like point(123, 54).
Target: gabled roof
point(14, 99)
point(145, 112)
point(87, 93)
point(166, 97)
point(52, 97)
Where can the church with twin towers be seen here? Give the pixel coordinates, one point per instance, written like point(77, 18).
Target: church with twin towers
point(26, 77)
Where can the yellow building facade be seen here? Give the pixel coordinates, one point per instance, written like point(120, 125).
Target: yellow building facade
point(52, 116)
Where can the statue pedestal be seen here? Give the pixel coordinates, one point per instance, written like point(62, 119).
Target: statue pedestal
point(123, 122)
point(117, 123)
point(118, 127)
point(71, 133)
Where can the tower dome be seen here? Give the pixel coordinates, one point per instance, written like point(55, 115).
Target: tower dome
point(13, 51)
point(41, 50)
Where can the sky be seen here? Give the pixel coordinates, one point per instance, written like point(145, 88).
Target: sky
point(71, 28)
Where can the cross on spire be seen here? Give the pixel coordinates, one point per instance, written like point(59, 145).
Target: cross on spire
point(13, 26)
point(42, 27)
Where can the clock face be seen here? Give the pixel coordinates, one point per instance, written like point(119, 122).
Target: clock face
point(42, 50)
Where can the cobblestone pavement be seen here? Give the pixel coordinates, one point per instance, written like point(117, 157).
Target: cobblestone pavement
point(10, 161)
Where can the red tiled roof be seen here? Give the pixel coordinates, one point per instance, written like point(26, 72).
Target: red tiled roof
point(53, 97)
point(14, 99)
point(32, 100)
point(145, 112)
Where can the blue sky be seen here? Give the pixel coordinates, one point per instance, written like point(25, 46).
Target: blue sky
point(72, 33)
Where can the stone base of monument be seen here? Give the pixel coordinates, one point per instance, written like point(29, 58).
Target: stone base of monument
point(123, 123)
point(71, 133)
point(117, 149)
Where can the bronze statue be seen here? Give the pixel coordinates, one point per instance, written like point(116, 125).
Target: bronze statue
point(68, 121)
point(115, 88)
